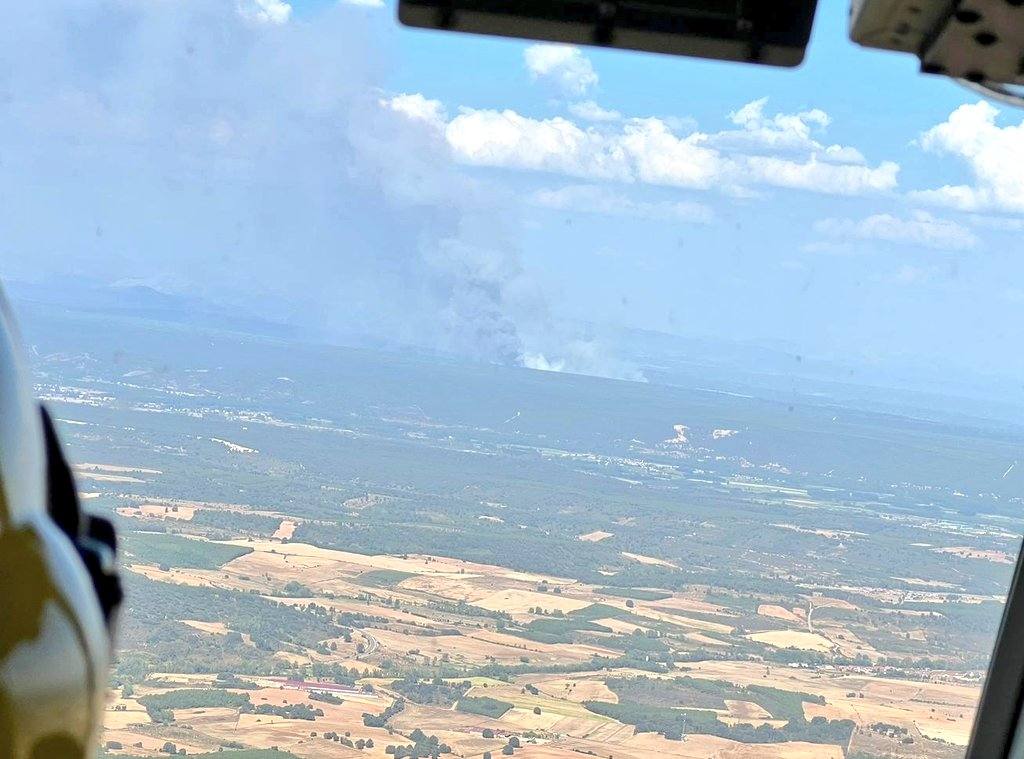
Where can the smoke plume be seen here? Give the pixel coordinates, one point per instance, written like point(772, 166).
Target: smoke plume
point(238, 153)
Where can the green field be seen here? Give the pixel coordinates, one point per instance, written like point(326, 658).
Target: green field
point(175, 551)
point(383, 578)
point(484, 706)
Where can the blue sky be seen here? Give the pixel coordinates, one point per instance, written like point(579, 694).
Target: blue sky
point(320, 164)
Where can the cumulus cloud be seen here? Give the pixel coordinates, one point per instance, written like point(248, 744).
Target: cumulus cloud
point(993, 154)
point(418, 108)
point(588, 110)
point(607, 202)
point(508, 139)
point(818, 176)
point(921, 229)
point(783, 132)
point(649, 151)
point(563, 65)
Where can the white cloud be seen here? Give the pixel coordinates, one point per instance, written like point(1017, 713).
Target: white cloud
point(418, 108)
point(605, 201)
point(658, 156)
point(782, 132)
point(565, 65)
point(507, 139)
point(365, 3)
point(819, 176)
point(265, 11)
point(844, 154)
point(648, 151)
point(994, 154)
point(588, 110)
point(921, 229)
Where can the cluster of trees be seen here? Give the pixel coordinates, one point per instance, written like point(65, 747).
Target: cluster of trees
point(335, 673)
point(435, 692)
point(160, 706)
point(892, 731)
point(326, 696)
point(422, 746)
point(381, 720)
point(231, 680)
point(676, 723)
point(159, 642)
point(640, 594)
point(288, 711)
point(295, 589)
point(689, 691)
point(484, 706)
point(346, 740)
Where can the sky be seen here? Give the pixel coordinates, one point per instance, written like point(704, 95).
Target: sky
point(318, 164)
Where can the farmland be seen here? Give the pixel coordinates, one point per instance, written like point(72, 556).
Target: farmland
point(357, 563)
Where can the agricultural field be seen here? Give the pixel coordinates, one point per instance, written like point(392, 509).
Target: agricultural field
point(354, 563)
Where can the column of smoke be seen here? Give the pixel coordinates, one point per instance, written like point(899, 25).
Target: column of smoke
point(229, 152)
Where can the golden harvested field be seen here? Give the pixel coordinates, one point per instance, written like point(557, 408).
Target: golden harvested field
point(285, 530)
point(87, 467)
point(158, 511)
point(746, 710)
point(525, 719)
point(801, 639)
point(575, 690)
point(620, 626)
point(100, 477)
point(796, 616)
point(684, 603)
point(141, 741)
point(966, 552)
point(943, 710)
point(513, 601)
point(654, 611)
point(555, 651)
point(215, 628)
point(639, 557)
point(426, 611)
point(209, 578)
point(706, 640)
point(122, 712)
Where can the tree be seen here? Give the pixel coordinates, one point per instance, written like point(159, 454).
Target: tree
point(487, 733)
point(536, 710)
point(508, 751)
point(513, 742)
